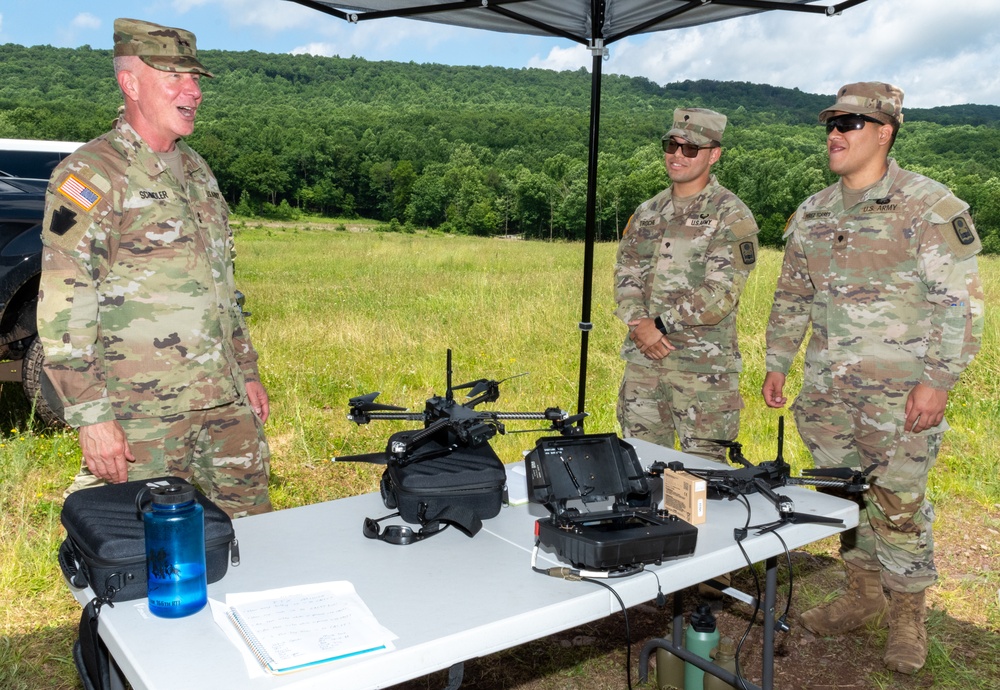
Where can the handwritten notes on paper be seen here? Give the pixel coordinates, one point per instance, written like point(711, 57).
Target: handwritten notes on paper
point(292, 628)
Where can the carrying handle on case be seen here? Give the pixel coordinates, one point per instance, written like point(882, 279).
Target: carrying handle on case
point(68, 563)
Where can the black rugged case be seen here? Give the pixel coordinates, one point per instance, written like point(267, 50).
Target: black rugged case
point(105, 546)
point(568, 474)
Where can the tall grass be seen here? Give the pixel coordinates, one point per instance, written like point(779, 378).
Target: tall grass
point(338, 314)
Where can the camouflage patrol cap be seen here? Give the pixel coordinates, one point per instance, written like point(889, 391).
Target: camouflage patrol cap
point(697, 125)
point(161, 47)
point(877, 98)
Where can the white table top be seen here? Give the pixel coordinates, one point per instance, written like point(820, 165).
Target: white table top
point(448, 599)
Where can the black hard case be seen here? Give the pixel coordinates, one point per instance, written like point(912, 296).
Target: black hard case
point(105, 545)
point(462, 485)
point(569, 473)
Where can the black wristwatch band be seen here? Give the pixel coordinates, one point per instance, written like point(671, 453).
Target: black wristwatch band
point(658, 322)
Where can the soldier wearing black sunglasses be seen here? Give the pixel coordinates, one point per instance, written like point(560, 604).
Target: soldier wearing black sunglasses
point(683, 261)
point(882, 265)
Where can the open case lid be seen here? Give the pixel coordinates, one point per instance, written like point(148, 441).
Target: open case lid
point(590, 468)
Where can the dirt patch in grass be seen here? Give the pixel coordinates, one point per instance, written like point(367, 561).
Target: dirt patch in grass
point(963, 626)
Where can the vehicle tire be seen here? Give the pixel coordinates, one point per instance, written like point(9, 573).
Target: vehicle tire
point(33, 380)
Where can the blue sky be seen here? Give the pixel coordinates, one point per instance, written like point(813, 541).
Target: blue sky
point(941, 52)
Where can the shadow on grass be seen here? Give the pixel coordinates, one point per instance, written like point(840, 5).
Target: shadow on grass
point(42, 659)
point(16, 412)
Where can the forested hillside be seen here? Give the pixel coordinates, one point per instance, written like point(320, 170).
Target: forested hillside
point(482, 150)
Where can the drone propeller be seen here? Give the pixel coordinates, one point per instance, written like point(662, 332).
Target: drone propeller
point(480, 386)
point(839, 472)
point(735, 449)
point(798, 519)
point(366, 403)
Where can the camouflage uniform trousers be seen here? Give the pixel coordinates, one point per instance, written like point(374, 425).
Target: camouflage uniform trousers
point(862, 427)
point(655, 404)
point(222, 450)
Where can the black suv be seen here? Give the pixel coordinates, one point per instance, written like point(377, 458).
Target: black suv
point(22, 203)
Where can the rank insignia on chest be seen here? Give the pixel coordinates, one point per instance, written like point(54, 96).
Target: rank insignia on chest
point(963, 231)
point(79, 192)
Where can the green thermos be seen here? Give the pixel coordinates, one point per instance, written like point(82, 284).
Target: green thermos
point(701, 638)
point(724, 657)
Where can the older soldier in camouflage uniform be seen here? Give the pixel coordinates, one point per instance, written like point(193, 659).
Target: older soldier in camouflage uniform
point(682, 264)
point(882, 265)
point(144, 341)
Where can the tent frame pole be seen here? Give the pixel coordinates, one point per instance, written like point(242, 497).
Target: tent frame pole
point(598, 50)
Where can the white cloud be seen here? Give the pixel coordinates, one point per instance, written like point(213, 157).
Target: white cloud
point(559, 59)
point(267, 14)
point(318, 49)
point(85, 20)
point(940, 53)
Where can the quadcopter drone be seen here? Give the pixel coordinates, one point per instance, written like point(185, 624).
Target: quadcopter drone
point(459, 424)
point(765, 477)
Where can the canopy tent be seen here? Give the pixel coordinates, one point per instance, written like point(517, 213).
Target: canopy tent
point(593, 23)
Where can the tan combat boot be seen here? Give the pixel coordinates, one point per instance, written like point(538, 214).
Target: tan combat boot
point(906, 649)
point(863, 601)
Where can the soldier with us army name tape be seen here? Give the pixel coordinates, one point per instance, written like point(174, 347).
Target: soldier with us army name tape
point(882, 265)
point(144, 341)
point(682, 263)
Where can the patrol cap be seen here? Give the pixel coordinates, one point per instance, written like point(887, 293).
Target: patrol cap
point(698, 126)
point(161, 47)
point(869, 98)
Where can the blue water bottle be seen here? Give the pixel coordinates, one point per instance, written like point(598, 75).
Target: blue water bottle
point(175, 552)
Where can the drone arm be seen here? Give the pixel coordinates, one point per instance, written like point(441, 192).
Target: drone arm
point(783, 504)
point(359, 417)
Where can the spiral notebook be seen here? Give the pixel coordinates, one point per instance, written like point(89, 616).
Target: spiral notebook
point(295, 628)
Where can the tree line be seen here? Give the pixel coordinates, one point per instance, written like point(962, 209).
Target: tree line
point(483, 150)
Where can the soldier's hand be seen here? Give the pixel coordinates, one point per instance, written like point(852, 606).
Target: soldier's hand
point(649, 340)
point(259, 402)
point(924, 408)
point(773, 389)
point(106, 451)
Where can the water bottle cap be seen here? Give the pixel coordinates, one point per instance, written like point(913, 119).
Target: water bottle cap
point(172, 494)
point(702, 619)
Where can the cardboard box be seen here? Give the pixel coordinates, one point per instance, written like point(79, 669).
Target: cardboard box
point(685, 496)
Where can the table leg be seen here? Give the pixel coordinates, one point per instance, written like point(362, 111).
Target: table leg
point(455, 675)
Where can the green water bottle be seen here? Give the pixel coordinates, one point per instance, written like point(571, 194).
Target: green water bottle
point(701, 638)
point(669, 668)
point(724, 657)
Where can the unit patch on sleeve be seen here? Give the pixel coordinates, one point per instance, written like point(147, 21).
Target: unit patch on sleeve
point(62, 220)
point(79, 192)
point(963, 231)
point(748, 253)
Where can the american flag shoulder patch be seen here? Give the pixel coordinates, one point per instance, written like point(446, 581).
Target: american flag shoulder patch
point(79, 192)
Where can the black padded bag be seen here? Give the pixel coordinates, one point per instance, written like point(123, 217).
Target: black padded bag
point(461, 486)
point(105, 546)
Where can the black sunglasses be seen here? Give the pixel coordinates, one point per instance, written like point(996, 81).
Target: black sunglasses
point(689, 150)
point(400, 534)
point(849, 122)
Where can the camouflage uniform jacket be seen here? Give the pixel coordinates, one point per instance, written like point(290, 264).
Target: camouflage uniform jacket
point(137, 310)
point(890, 286)
point(689, 269)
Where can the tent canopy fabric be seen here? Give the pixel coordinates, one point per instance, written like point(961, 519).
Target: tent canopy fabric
point(570, 19)
point(594, 23)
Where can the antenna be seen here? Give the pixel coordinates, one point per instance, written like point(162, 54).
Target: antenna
point(781, 439)
point(449, 395)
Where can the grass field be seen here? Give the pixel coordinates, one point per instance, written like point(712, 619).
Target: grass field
point(337, 314)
